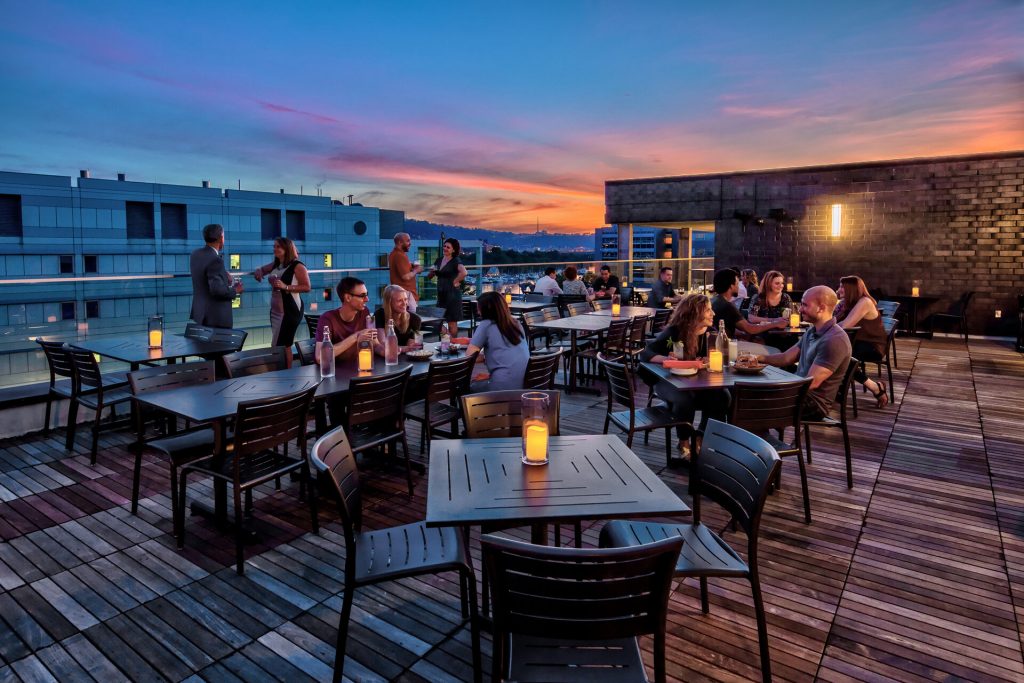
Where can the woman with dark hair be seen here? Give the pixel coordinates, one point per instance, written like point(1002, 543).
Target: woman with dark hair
point(683, 338)
point(749, 278)
point(572, 284)
point(504, 345)
point(450, 273)
point(288, 279)
point(857, 308)
point(771, 301)
point(395, 306)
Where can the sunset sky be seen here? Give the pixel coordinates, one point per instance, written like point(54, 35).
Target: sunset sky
point(498, 115)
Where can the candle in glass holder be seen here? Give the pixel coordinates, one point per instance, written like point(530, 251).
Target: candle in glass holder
point(915, 291)
point(535, 442)
point(156, 339)
point(365, 359)
point(789, 284)
point(715, 360)
point(616, 305)
point(508, 297)
point(794, 320)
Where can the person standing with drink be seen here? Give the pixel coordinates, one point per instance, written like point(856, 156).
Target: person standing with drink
point(288, 279)
point(450, 273)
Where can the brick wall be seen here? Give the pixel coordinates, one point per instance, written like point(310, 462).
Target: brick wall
point(955, 223)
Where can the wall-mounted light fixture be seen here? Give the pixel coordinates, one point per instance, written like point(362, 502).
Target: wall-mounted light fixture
point(837, 220)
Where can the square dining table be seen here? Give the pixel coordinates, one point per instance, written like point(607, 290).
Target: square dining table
point(478, 481)
point(135, 349)
point(705, 379)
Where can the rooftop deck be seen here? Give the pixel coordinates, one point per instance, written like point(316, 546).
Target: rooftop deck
point(914, 574)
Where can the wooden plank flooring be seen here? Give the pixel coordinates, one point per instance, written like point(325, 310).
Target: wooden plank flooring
point(917, 573)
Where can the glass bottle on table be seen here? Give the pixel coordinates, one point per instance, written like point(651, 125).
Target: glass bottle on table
point(446, 341)
point(391, 344)
point(326, 354)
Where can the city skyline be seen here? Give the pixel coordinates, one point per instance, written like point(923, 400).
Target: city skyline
point(498, 118)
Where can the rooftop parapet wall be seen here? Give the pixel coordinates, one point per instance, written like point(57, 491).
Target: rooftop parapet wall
point(955, 223)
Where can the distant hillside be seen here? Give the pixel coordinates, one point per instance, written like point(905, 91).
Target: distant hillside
point(506, 240)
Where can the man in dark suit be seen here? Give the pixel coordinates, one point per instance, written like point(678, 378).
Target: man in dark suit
point(212, 290)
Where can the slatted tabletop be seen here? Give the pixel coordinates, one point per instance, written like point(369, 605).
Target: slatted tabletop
point(704, 379)
point(476, 481)
point(136, 350)
point(627, 312)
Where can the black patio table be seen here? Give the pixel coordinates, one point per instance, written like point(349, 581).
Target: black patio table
point(574, 325)
point(135, 349)
point(910, 308)
point(479, 481)
point(704, 379)
point(627, 312)
point(517, 306)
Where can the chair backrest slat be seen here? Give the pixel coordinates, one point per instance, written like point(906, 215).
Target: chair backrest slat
point(197, 331)
point(256, 361)
point(377, 398)
point(58, 358)
point(265, 423)
point(449, 379)
point(760, 407)
point(602, 305)
point(164, 377)
point(661, 317)
point(620, 383)
point(332, 455)
point(616, 337)
point(306, 350)
point(87, 370)
point(229, 336)
point(585, 594)
point(541, 370)
point(497, 414)
point(579, 308)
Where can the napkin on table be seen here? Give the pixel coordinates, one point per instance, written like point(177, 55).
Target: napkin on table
point(670, 363)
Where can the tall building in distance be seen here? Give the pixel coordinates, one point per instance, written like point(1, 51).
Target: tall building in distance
point(88, 256)
point(646, 245)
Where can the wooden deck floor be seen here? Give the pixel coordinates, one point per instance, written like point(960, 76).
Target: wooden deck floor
point(917, 573)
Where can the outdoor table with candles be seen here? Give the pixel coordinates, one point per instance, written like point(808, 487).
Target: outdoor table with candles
point(138, 349)
point(626, 312)
point(478, 481)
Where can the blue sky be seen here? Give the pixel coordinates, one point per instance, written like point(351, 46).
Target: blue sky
point(492, 115)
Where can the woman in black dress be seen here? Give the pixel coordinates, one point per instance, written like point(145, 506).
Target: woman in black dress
point(288, 279)
point(450, 273)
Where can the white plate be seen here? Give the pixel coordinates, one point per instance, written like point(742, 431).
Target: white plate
point(683, 372)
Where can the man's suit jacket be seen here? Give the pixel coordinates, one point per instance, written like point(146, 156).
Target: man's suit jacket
point(211, 288)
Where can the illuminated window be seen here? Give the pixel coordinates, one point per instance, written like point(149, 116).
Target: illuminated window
point(236, 302)
point(236, 261)
point(328, 260)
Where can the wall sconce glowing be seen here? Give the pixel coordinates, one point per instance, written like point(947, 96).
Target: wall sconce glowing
point(837, 219)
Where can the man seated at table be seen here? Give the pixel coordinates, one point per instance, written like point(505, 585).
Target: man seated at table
point(349, 324)
point(823, 352)
point(606, 285)
point(726, 289)
point(662, 291)
point(548, 285)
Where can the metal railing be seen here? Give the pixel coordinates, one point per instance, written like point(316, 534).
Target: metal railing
point(72, 308)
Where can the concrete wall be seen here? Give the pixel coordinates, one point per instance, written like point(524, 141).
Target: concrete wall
point(955, 223)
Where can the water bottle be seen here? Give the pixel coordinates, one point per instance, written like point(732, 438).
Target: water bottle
point(722, 343)
point(326, 354)
point(391, 345)
point(446, 342)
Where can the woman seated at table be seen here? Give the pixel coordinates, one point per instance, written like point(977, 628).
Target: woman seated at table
point(685, 331)
point(349, 324)
point(503, 344)
point(857, 308)
point(572, 284)
point(395, 306)
point(749, 278)
point(771, 301)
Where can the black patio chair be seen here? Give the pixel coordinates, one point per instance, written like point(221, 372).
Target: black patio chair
point(312, 323)
point(178, 448)
point(372, 557)
point(90, 389)
point(957, 314)
point(305, 349)
point(252, 458)
point(764, 408)
point(734, 469)
point(830, 422)
point(621, 391)
point(541, 370)
point(375, 416)
point(446, 381)
point(62, 373)
point(571, 614)
point(256, 361)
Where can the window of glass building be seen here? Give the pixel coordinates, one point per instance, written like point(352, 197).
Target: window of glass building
point(92, 309)
point(67, 264)
point(10, 215)
point(359, 228)
point(174, 221)
point(328, 260)
point(67, 310)
point(139, 220)
point(235, 262)
point(91, 263)
point(296, 223)
point(270, 223)
point(327, 294)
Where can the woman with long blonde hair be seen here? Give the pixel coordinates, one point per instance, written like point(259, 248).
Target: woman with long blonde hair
point(685, 331)
point(395, 306)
